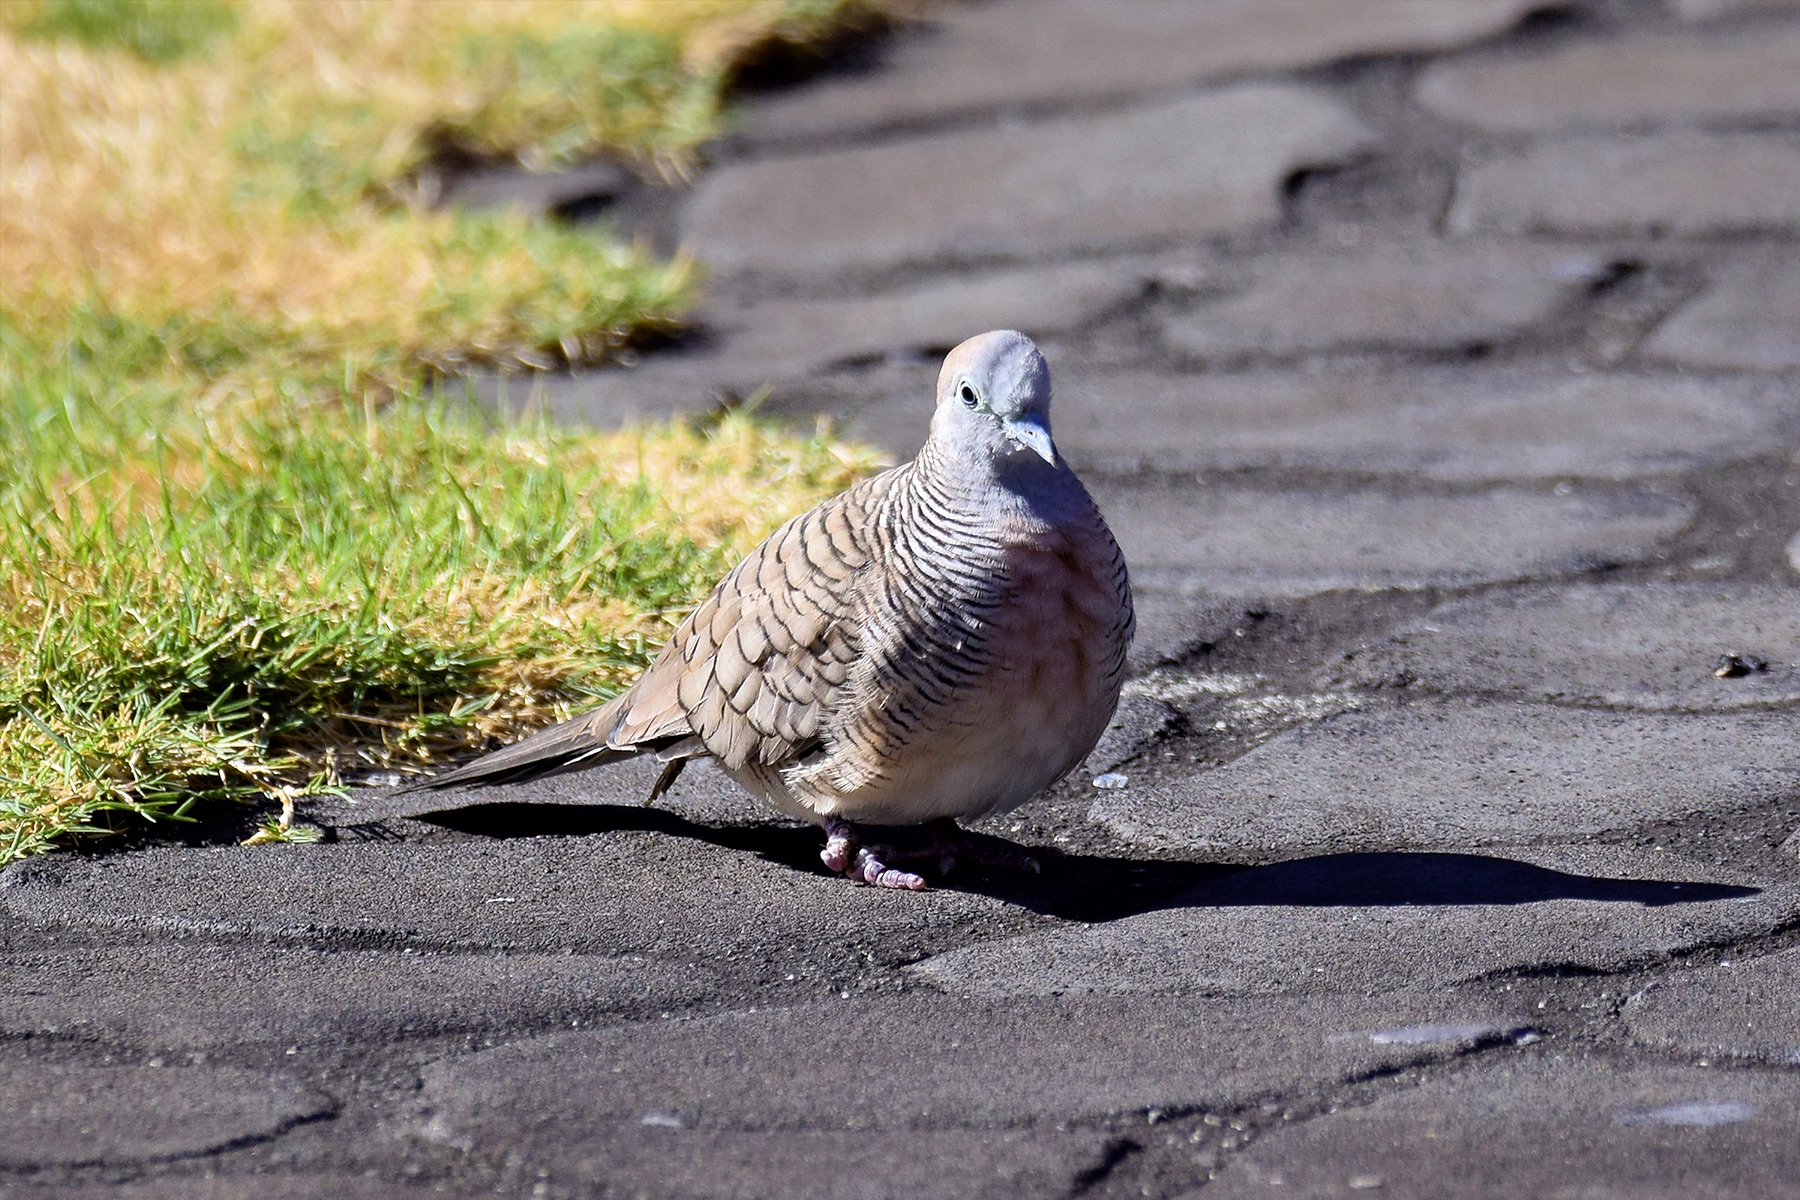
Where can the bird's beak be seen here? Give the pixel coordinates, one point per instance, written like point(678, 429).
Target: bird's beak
point(1028, 433)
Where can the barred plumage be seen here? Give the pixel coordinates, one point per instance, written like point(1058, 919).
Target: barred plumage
point(943, 640)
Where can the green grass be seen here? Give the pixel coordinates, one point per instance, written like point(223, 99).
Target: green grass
point(254, 539)
point(157, 31)
point(305, 594)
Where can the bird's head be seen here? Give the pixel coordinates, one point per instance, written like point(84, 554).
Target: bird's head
point(994, 396)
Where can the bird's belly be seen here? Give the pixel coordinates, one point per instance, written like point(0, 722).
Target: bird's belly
point(989, 762)
point(1027, 721)
point(995, 771)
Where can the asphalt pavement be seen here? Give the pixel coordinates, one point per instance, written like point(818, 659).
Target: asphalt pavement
point(1437, 363)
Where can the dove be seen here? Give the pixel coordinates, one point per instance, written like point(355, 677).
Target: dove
point(938, 643)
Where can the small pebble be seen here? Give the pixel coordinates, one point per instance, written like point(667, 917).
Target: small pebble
point(1366, 1183)
point(1112, 781)
point(1736, 666)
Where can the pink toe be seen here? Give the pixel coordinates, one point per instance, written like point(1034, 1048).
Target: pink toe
point(891, 878)
point(871, 870)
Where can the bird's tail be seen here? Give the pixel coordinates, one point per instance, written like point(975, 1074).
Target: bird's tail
point(575, 745)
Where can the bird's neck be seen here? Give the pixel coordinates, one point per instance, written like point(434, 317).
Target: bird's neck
point(1015, 489)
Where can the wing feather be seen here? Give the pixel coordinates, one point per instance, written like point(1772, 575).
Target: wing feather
point(751, 676)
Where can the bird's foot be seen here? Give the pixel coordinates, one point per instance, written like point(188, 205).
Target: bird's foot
point(951, 845)
point(846, 855)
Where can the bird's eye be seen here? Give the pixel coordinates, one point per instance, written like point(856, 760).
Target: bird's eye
point(969, 398)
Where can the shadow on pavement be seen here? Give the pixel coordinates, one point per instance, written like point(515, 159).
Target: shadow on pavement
point(1088, 887)
point(1079, 887)
point(792, 845)
point(1409, 877)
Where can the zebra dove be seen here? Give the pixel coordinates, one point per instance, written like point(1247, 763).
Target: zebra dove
point(943, 640)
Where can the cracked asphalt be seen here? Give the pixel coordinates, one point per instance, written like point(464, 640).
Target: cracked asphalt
point(1437, 363)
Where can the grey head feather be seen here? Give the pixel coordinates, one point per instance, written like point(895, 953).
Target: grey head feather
point(994, 398)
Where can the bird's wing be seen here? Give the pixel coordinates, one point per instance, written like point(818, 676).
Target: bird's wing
point(752, 674)
point(759, 668)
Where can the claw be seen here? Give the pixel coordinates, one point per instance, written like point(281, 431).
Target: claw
point(845, 854)
point(840, 846)
point(950, 844)
point(870, 869)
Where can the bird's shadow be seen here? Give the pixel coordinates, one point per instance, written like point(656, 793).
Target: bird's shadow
point(1090, 887)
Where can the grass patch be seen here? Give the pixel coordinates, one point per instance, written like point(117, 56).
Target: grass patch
point(301, 595)
point(252, 541)
point(157, 31)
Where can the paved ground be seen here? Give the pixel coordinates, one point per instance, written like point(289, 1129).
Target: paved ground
point(1438, 365)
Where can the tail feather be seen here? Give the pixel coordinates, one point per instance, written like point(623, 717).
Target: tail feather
point(574, 745)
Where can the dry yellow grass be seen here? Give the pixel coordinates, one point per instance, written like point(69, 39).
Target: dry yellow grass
point(128, 189)
point(262, 186)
